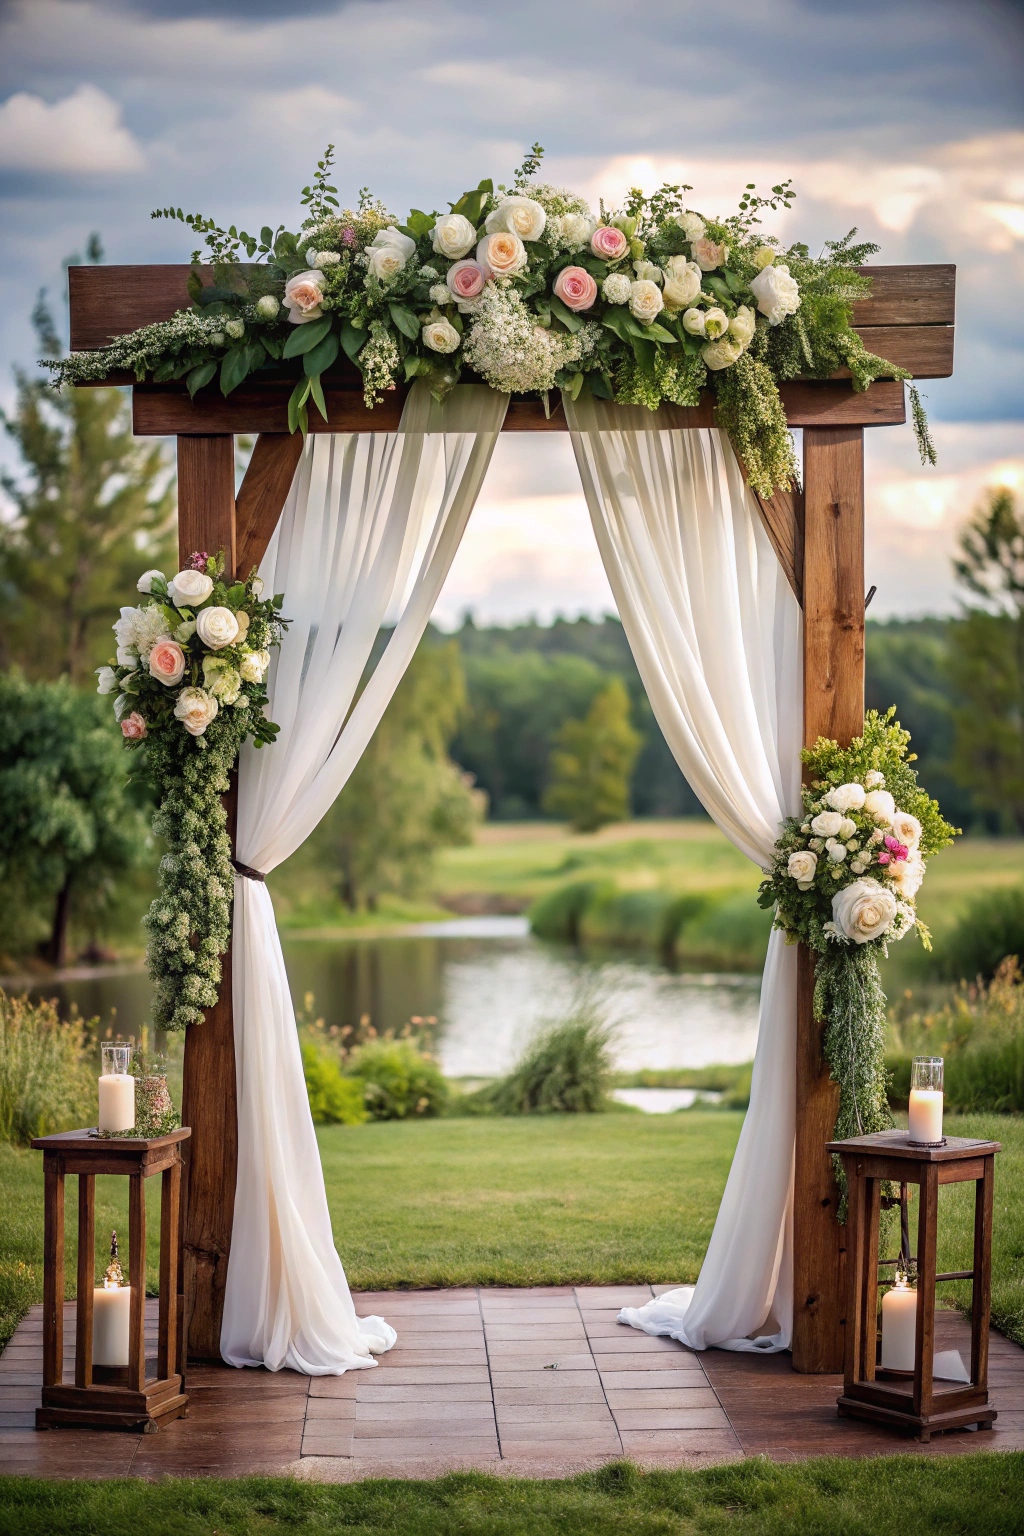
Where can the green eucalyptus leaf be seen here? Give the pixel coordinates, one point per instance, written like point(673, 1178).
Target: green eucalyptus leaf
point(656, 332)
point(352, 341)
point(405, 320)
point(321, 356)
point(569, 319)
point(317, 394)
point(305, 337)
point(600, 386)
point(296, 404)
point(233, 369)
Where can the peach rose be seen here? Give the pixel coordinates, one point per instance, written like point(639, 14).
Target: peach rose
point(609, 243)
point(167, 662)
point(503, 254)
point(134, 728)
point(303, 295)
point(709, 254)
point(575, 287)
point(466, 279)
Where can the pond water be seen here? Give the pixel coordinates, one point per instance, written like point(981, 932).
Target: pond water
point(489, 984)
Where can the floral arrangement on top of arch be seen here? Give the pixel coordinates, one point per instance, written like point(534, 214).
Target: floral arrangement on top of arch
point(531, 290)
point(844, 881)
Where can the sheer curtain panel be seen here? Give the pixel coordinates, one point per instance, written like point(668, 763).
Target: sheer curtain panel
point(716, 633)
point(367, 535)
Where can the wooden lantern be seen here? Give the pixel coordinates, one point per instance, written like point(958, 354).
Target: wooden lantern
point(112, 1398)
point(914, 1400)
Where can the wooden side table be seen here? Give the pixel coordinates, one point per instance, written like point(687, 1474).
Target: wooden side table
point(126, 1398)
point(916, 1403)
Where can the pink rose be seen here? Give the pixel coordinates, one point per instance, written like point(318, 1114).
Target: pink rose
point(466, 279)
point(134, 728)
point(609, 243)
point(167, 662)
point(575, 287)
point(896, 848)
point(884, 858)
point(303, 295)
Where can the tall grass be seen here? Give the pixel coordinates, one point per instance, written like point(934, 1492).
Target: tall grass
point(46, 1083)
point(988, 930)
point(980, 1034)
point(565, 1069)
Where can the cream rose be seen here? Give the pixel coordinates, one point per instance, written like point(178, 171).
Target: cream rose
point(440, 336)
point(303, 296)
point(880, 804)
point(196, 709)
point(254, 666)
point(716, 323)
point(521, 216)
point(393, 238)
point(776, 293)
point(709, 254)
point(682, 281)
point(167, 662)
point(835, 850)
point(827, 824)
point(503, 254)
point(692, 226)
point(693, 321)
point(847, 829)
point(188, 588)
point(742, 326)
point(906, 874)
point(645, 301)
point(217, 627)
point(801, 868)
point(385, 261)
point(874, 779)
point(863, 911)
point(906, 829)
point(453, 236)
point(846, 797)
point(721, 354)
point(145, 581)
point(648, 271)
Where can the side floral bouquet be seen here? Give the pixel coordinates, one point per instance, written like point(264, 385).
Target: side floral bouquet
point(844, 881)
point(189, 686)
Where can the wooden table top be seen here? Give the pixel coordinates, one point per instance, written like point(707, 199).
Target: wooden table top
point(89, 1140)
point(898, 1144)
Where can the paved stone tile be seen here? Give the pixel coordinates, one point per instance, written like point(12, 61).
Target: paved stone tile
point(678, 1446)
point(538, 1333)
point(529, 1378)
point(457, 1418)
point(526, 1292)
point(334, 1386)
point(423, 1339)
point(671, 1418)
point(671, 1397)
point(557, 1392)
point(552, 1448)
point(613, 1295)
point(329, 1441)
point(568, 1414)
point(456, 1392)
point(611, 1329)
point(429, 1445)
point(425, 1307)
point(372, 1301)
point(439, 1375)
point(438, 1322)
point(538, 1311)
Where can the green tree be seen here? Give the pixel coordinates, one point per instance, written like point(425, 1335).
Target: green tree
point(986, 661)
point(406, 798)
point(92, 509)
point(68, 825)
point(591, 765)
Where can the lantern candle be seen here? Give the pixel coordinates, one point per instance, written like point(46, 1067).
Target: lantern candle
point(899, 1326)
point(925, 1125)
point(117, 1090)
point(111, 1313)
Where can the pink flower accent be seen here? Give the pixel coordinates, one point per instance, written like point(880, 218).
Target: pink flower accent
point(609, 243)
point(896, 848)
point(167, 662)
point(134, 728)
point(883, 858)
point(466, 279)
point(575, 287)
point(348, 236)
point(197, 562)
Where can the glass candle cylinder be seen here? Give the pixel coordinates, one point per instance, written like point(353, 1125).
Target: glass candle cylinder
point(925, 1126)
point(117, 1090)
point(899, 1327)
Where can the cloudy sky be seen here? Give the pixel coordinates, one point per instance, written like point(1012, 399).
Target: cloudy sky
point(903, 117)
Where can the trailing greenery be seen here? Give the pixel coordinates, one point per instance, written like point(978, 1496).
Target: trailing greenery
point(566, 1069)
point(46, 1084)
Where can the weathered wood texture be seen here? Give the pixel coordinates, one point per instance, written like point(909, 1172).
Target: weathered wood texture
point(833, 595)
point(262, 495)
point(206, 520)
point(783, 517)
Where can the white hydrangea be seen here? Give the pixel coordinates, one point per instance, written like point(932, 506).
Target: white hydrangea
point(616, 288)
point(440, 293)
point(515, 354)
point(139, 629)
point(570, 231)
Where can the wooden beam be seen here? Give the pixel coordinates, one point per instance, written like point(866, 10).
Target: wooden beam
point(926, 351)
point(206, 520)
point(262, 495)
point(783, 517)
point(923, 295)
point(834, 707)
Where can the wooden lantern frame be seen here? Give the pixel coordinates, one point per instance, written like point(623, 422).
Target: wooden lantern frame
point(896, 1399)
point(125, 1399)
point(818, 535)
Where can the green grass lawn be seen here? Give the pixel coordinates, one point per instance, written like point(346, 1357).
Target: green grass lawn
point(545, 1200)
point(890, 1496)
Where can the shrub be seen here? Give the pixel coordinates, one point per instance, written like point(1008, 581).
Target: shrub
point(20, 1288)
point(626, 918)
point(566, 1068)
point(980, 1035)
point(333, 1097)
point(46, 1083)
point(991, 928)
point(558, 915)
point(399, 1082)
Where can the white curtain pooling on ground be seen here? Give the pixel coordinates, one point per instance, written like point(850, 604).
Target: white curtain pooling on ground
point(368, 533)
point(716, 633)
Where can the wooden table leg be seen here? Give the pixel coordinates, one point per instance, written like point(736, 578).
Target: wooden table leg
point(53, 1271)
point(86, 1278)
point(981, 1290)
point(170, 1197)
point(137, 1281)
point(926, 1270)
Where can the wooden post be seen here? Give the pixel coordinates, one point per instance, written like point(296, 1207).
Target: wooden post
point(86, 1278)
point(53, 1272)
point(206, 521)
point(833, 588)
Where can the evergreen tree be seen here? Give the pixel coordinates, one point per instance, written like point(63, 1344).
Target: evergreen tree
point(591, 765)
point(987, 660)
point(92, 509)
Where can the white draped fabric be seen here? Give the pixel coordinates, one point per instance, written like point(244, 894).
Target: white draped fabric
point(716, 633)
point(368, 533)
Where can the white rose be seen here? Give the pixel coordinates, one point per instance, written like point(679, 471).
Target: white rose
point(776, 293)
point(502, 253)
point(440, 336)
point(453, 236)
point(801, 867)
point(254, 666)
point(847, 829)
point(393, 237)
point(742, 326)
point(858, 866)
point(648, 272)
point(645, 300)
point(616, 288)
point(268, 307)
point(107, 680)
point(864, 910)
point(906, 829)
point(827, 824)
point(520, 216)
point(145, 581)
point(880, 804)
point(257, 586)
point(188, 588)
point(846, 797)
point(716, 323)
point(217, 627)
point(693, 321)
point(242, 620)
point(692, 225)
point(682, 282)
point(303, 296)
point(836, 850)
point(195, 708)
point(722, 354)
point(709, 254)
point(906, 874)
point(874, 779)
point(385, 261)
point(126, 657)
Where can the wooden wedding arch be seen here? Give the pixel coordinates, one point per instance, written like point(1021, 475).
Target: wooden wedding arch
point(818, 534)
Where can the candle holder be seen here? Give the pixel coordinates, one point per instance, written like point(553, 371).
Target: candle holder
point(116, 1091)
point(112, 1395)
point(925, 1127)
point(913, 1399)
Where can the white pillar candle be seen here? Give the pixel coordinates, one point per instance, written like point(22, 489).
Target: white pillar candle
point(111, 1311)
point(925, 1114)
point(117, 1102)
point(899, 1328)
